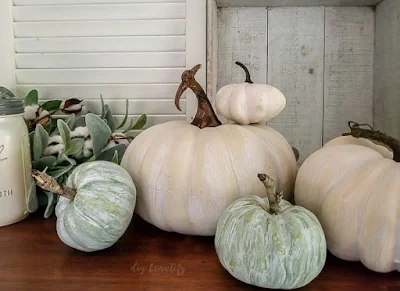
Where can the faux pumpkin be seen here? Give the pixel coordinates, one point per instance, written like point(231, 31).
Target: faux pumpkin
point(187, 174)
point(269, 243)
point(248, 103)
point(352, 185)
point(96, 206)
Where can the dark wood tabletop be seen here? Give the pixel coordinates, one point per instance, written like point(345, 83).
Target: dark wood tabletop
point(33, 258)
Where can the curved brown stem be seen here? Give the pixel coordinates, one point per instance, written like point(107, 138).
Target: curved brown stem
point(246, 70)
point(48, 183)
point(205, 116)
point(274, 198)
point(357, 131)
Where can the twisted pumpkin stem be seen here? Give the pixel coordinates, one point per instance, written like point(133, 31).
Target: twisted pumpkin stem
point(357, 131)
point(246, 70)
point(274, 198)
point(48, 183)
point(205, 116)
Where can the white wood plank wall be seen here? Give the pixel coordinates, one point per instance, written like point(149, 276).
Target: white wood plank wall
point(387, 68)
point(125, 49)
point(321, 58)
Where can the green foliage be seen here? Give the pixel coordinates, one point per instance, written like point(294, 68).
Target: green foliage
point(60, 145)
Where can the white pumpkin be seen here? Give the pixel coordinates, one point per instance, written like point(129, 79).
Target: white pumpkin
point(187, 174)
point(270, 243)
point(102, 209)
point(249, 103)
point(352, 186)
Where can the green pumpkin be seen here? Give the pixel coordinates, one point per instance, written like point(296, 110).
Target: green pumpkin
point(101, 210)
point(270, 243)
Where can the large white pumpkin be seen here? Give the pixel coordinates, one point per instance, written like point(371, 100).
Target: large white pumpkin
point(249, 103)
point(102, 209)
point(352, 186)
point(186, 175)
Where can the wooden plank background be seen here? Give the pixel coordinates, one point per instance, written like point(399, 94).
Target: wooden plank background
point(321, 58)
point(387, 68)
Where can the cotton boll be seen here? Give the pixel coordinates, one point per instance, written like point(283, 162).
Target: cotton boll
point(44, 114)
point(52, 150)
point(87, 153)
point(88, 145)
point(30, 112)
point(80, 131)
point(55, 139)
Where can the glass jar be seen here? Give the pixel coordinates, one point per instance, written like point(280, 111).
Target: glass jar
point(17, 187)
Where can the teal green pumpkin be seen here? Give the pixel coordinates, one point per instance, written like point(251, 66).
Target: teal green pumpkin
point(101, 210)
point(270, 243)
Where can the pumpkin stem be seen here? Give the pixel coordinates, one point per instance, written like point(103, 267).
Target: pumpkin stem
point(48, 183)
point(357, 131)
point(246, 70)
point(205, 116)
point(274, 198)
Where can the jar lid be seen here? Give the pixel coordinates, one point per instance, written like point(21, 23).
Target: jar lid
point(10, 105)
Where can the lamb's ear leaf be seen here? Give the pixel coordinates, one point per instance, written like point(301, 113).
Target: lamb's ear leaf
point(44, 163)
point(99, 132)
point(108, 154)
point(64, 132)
point(40, 141)
point(126, 115)
point(32, 98)
point(74, 146)
point(50, 204)
point(60, 171)
point(70, 121)
point(110, 119)
point(115, 158)
point(139, 124)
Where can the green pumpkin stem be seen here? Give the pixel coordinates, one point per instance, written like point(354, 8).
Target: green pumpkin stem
point(246, 70)
point(274, 198)
point(48, 183)
point(205, 116)
point(357, 131)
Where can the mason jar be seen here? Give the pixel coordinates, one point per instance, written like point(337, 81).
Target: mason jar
point(16, 183)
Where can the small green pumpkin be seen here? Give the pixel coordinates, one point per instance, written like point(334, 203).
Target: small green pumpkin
point(101, 210)
point(269, 243)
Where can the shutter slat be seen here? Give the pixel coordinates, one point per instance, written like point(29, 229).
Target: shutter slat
point(90, 76)
point(100, 28)
point(66, 2)
point(100, 12)
point(100, 60)
point(101, 44)
point(109, 91)
point(152, 107)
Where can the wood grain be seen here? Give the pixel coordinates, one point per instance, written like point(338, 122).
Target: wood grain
point(387, 68)
point(33, 258)
point(349, 68)
point(272, 3)
point(242, 36)
point(295, 66)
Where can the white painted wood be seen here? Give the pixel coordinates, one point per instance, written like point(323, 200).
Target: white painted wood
point(101, 44)
point(90, 76)
point(349, 61)
point(242, 36)
point(100, 12)
point(387, 68)
point(297, 3)
point(136, 106)
point(212, 48)
point(6, 50)
point(100, 28)
point(109, 91)
point(63, 2)
point(100, 60)
point(196, 48)
point(295, 66)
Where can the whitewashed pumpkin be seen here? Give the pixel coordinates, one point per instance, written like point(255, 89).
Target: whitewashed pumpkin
point(102, 209)
point(187, 174)
point(270, 243)
point(249, 103)
point(352, 185)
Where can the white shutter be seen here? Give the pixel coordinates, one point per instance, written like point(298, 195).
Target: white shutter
point(125, 49)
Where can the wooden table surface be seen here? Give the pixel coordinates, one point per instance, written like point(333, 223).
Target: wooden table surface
point(146, 258)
